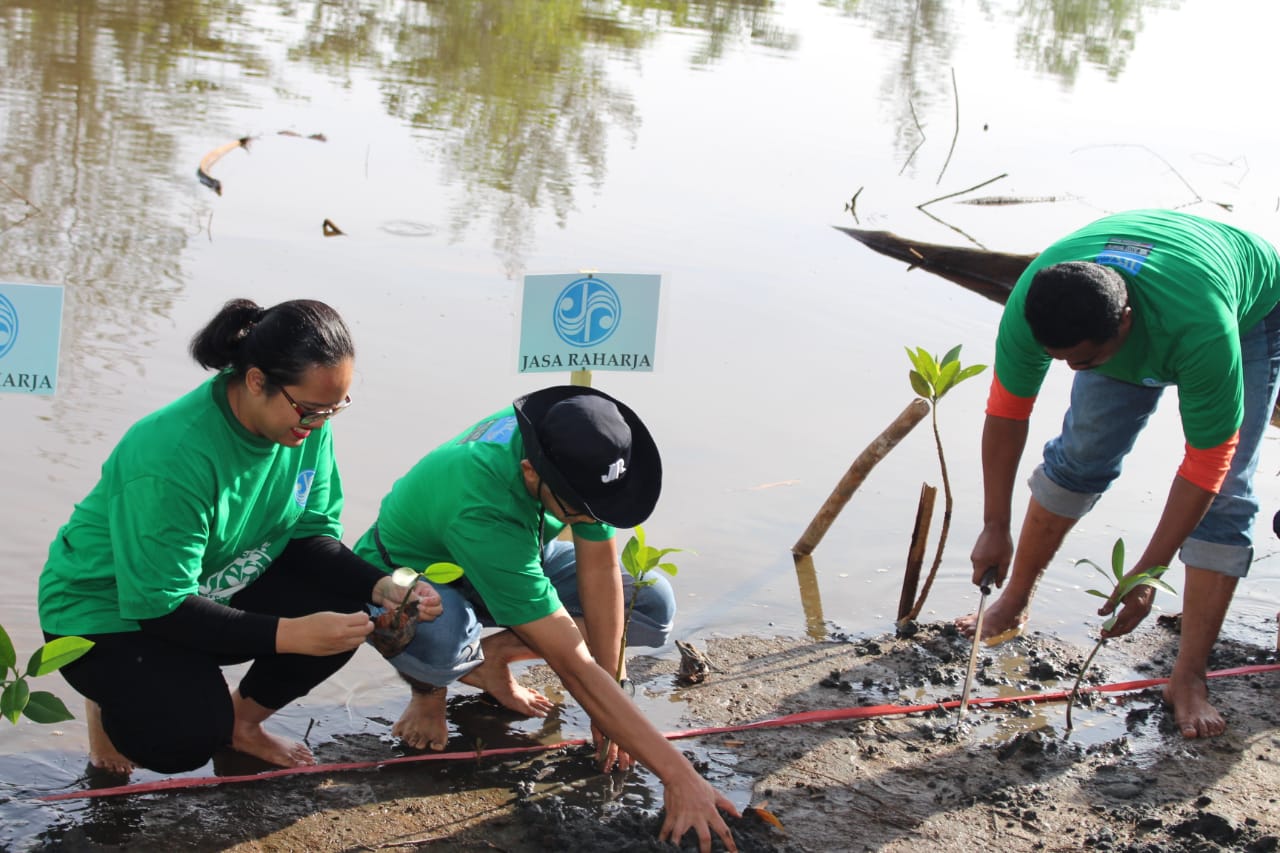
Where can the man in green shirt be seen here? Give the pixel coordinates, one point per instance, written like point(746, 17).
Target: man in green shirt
point(1136, 302)
point(492, 500)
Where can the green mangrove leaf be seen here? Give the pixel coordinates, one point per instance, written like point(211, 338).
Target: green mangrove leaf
point(1117, 559)
point(1110, 623)
point(404, 577)
point(44, 707)
point(8, 657)
point(952, 355)
point(56, 654)
point(443, 572)
point(971, 370)
point(14, 699)
point(669, 568)
point(1098, 593)
point(920, 386)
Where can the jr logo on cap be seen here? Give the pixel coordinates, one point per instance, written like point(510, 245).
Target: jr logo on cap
point(616, 470)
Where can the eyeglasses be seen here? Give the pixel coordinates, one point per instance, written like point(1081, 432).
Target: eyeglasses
point(565, 514)
point(308, 417)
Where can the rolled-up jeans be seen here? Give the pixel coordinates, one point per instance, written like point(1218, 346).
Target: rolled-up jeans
point(448, 647)
point(1104, 419)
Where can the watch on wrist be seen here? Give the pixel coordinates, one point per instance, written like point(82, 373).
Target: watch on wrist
point(628, 687)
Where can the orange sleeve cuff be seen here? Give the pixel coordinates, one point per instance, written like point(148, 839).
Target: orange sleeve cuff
point(1003, 404)
point(1208, 468)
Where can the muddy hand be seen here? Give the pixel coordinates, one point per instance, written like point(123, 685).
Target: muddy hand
point(692, 804)
point(993, 548)
point(1134, 608)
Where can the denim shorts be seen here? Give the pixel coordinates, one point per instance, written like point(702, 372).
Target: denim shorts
point(1105, 418)
point(448, 647)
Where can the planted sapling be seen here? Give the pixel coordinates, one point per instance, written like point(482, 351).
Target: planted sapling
point(1121, 586)
point(932, 378)
point(16, 697)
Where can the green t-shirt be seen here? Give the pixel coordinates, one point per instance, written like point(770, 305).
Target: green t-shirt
point(1194, 285)
point(465, 502)
point(189, 503)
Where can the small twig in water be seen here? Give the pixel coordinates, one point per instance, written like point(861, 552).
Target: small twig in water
point(923, 204)
point(916, 119)
point(852, 205)
point(956, 92)
point(1177, 174)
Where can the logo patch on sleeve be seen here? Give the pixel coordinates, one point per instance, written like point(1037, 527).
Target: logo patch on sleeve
point(302, 488)
point(498, 431)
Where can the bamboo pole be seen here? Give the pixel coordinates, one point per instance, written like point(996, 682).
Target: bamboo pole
point(858, 471)
point(915, 555)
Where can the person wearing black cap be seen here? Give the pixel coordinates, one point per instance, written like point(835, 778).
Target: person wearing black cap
point(492, 501)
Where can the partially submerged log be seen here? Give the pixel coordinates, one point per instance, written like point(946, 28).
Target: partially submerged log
point(991, 274)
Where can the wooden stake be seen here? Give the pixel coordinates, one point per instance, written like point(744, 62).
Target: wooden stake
point(915, 555)
point(858, 471)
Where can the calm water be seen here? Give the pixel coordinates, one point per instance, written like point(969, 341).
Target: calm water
point(466, 144)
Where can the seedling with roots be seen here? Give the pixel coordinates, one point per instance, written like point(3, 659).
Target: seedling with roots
point(1121, 585)
point(393, 629)
point(932, 379)
point(16, 697)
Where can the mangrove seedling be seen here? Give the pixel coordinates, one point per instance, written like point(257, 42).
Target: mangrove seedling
point(639, 559)
point(17, 699)
point(1121, 585)
point(931, 379)
point(393, 629)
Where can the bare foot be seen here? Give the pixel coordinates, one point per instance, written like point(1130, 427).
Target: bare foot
point(496, 679)
point(423, 724)
point(1189, 696)
point(252, 739)
point(102, 752)
point(1002, 617)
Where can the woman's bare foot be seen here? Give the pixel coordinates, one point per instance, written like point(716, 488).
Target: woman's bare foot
point(1195, 716)
point(1002, 617)
point(423, 725)
point(102, 752)
point(248, 736)
point(253, 739)
point(496, 679)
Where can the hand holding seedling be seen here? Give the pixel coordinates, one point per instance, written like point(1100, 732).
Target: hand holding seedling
point(393, 629)
point(1136, 589)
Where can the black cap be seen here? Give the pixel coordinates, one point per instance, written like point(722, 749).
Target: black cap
point(593, 451)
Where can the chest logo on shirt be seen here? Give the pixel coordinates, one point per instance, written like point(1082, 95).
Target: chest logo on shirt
point(1128, 255)
point(302, 488)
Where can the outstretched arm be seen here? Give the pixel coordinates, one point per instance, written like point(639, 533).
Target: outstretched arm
point(691, 802)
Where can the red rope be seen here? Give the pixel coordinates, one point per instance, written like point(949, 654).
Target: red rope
point(803, 717)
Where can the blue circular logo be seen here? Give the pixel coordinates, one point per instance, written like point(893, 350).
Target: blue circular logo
point(302, 488)
point(587, 312)
point(8, 326)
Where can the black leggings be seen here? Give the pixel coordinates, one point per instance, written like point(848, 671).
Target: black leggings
point(166, 707)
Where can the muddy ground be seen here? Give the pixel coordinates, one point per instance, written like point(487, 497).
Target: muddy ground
point(1007, 777)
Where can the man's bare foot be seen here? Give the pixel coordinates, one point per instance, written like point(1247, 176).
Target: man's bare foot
point(423, 724)
point(496, 679)
point(1002, 617)
point(1195, 716)
point(252, 739)
point(102, 752)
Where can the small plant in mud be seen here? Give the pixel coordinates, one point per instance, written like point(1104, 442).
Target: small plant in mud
point(931, 378)
point(639, 559)
point(16, 697)
point(393, 629)
point(1121, 585)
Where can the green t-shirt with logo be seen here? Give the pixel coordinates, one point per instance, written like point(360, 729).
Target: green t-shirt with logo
point(1194, 285)
point(465, 502)
point(189, 503)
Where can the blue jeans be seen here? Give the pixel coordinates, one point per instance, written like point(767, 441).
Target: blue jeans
point(448, 647)
point(1105, 418)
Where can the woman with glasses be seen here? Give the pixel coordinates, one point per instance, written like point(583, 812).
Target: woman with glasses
point(212, 538)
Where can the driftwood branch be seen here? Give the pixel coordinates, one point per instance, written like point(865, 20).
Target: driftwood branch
point(915, 555)
point(858, 471)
